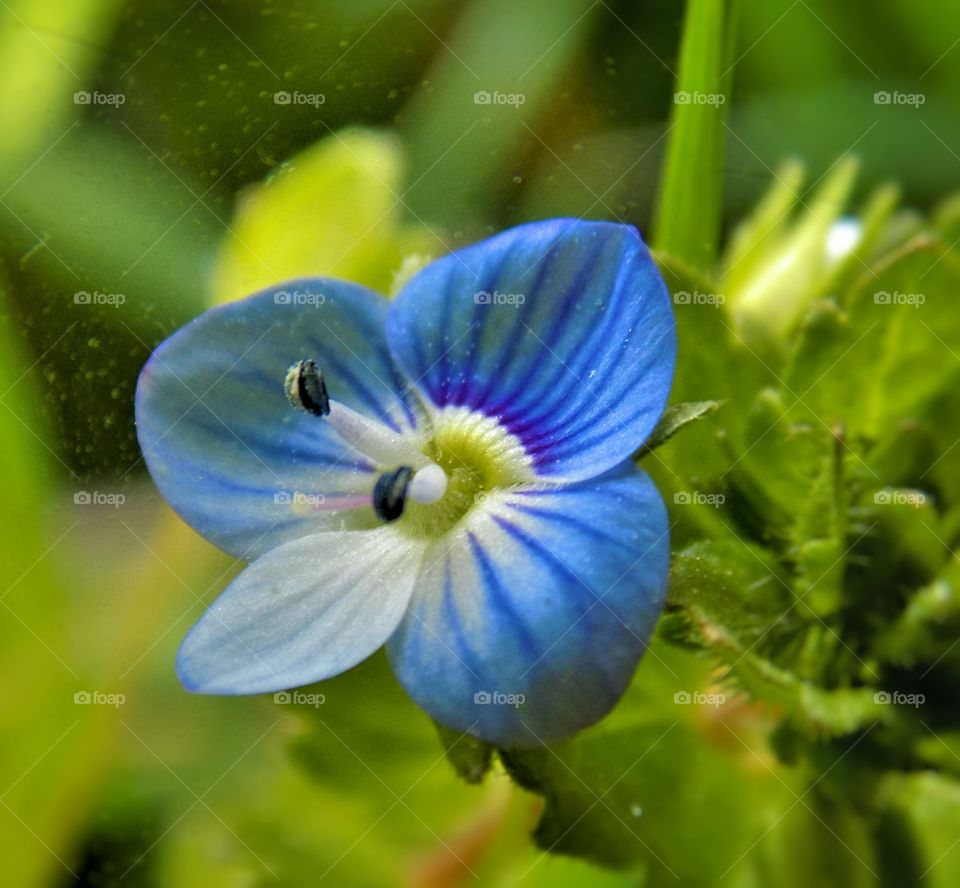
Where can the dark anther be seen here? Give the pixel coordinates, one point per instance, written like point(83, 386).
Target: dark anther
point(390, 494)
point(306, 389)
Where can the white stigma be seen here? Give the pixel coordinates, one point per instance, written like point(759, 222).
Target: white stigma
point(428, 485)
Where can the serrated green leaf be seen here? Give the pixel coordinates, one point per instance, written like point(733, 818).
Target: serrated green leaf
point(731, 600)
point(894, 348)
point(730, 593)
point(779, 459)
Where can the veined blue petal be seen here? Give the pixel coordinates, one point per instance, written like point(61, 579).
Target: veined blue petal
point(562, 330)
point(527, 623)
point(222, 443)
point(307, 610)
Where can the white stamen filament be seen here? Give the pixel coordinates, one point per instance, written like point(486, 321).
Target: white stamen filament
point(428, 485)
point(375, 441)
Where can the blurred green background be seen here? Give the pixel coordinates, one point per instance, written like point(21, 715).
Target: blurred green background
point(157, 156)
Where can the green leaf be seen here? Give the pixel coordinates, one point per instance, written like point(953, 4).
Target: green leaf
point(713, 365)
point(928, 626)
point(675, 418)
point(727, 595)
point(946, 218)
point(937, 470)
point(37, 643)
point(621, 794)
point(40, 74)
point(332, 210)
point(760, 234)
point(774, 466)
point(732, 600)
point(689, 208)
point(873, 219)
point(471, 758)
point(894, 349)
point(931, 802)
point(108, 222)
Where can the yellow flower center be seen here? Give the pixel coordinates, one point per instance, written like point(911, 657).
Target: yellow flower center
point(480, 458)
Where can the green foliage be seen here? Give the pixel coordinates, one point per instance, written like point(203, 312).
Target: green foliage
point(623, 793)
point(815, 567)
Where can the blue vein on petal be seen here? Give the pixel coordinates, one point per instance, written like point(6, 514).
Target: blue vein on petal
point(582, 625)
point(586, 529)
point(574, 291)
point(612, 670)
point(497, 596)
point(604, 433)
point(466, 655)
point(515, 407)
point(572, 418)
point(538, 442)
point(476, 333)
point(551, 561)
point(519, 329)
point(598, 341)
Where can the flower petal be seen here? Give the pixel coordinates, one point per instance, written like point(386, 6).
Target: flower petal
point(561, 329)
point(543, 596)
point(307, 610)
point(224, 446)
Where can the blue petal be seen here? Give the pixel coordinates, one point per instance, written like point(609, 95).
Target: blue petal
point(573, 350)
point(546, 597)
point(223, 445)
point(307, 610)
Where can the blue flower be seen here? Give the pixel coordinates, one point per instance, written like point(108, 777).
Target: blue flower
point(447, 474)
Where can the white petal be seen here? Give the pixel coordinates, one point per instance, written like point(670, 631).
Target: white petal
point(305, 611)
